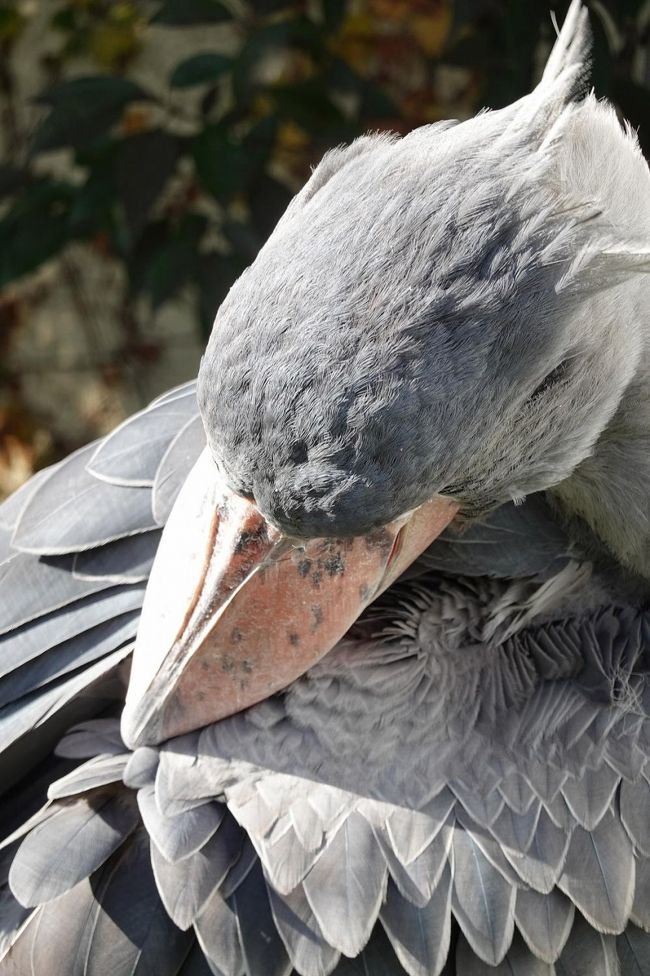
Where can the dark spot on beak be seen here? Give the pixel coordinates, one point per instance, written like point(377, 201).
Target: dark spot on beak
point(247, 539)
point(294, 639)
point(379, 540)
point(303, 567)
point(227, 664)
point(247, 666)
point(334, 566)
point(236, 635)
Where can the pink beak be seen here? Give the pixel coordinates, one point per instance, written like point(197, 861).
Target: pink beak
point(235, 611)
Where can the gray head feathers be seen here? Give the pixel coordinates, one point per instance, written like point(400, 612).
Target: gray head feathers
point(428, 316)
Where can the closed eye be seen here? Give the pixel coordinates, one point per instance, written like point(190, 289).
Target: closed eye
point(556, 375)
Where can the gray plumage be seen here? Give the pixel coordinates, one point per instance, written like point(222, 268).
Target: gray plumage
point(467, 768)
point(186, 885)
point(132, 453)
point(544, 921)
point(69, 846)
point(98, 771)
point(96, 737)
point(177, 460)
point(127, 560)
point(178, 837)
point(420, 935)
point(397, 366)
point(71, 510)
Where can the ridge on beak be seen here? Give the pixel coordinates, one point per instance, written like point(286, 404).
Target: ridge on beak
point(234, 611)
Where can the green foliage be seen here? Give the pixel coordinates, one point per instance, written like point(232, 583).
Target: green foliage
point(185, 13)
point(184, 182)
point(199, 69)
point(83, 109)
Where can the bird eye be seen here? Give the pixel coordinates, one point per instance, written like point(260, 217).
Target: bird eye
point(556, 375)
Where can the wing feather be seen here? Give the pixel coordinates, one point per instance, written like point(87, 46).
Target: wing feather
point(92, 738)
point(33, 640)
point(308, 949)
point(185, 886)
point(589, 797)
point(69, 846)
point(217, 931)
point(633, 947)
point(70, 510)
point(130, 455)
point(546, 855)
point(346, 886)
point(635, 816)
point(178, 837)
point(126, 560)
point(519, 961)
point(172, 470)
point(420, 936)
point(483, 901)
point(263, 950)
point(599, 874)
point(417, 880)
point(588, 951)
point(132, 933)
point(99, 771)
point(71, 655)
point(544, 921)
point(32, 588)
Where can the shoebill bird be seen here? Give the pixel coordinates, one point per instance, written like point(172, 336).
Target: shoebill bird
point(388, 710)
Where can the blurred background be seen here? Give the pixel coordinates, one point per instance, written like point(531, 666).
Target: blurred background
point(148, 148)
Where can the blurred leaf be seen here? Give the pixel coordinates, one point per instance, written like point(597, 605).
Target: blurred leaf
point(182, 13)
point(259, 141)
point(95, 91)
point(166, 258)
point(34, 229)
point(154, 238)
point(341, 76)
point(262, 8)
point(334, 13)
point(310, 107)
point(75, 128)
point(216, 273)
point(144, 164)
point(93, 204)
point(222, 163)
point(200, 69)
point(83, 110)
point(12, 178)
point(297, 32)
point(11, 22)
point(64, 20)
point(377, 104)
point(268, 199)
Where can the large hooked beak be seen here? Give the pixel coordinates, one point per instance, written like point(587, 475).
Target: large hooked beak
point(235, 611)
